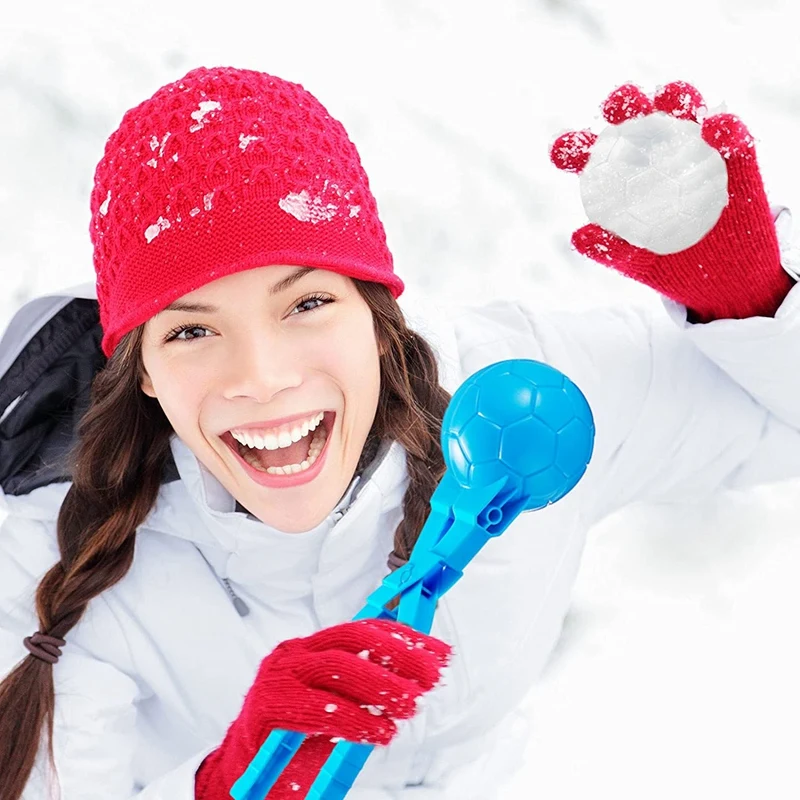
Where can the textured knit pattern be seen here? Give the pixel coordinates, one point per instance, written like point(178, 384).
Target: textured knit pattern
point(351, 681)
point(221, 171)
point(735, 270)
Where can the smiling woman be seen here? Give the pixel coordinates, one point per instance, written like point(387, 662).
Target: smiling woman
point(296, 342)
point(257, 440)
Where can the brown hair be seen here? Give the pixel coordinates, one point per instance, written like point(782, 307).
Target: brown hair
point(117, 467)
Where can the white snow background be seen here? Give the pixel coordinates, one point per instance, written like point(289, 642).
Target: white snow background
point(677, 674)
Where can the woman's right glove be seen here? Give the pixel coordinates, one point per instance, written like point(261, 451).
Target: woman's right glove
point(350, 681)
point(676, 201)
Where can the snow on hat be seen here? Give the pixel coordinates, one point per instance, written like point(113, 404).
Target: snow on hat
point(225, 170)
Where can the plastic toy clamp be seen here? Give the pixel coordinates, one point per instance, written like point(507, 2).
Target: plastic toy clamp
point(517, 436)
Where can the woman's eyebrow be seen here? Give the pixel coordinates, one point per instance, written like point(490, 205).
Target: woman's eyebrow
point(290, 280)
point(276, 288)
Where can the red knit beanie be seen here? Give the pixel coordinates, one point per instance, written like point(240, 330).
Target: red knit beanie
point(225, 170)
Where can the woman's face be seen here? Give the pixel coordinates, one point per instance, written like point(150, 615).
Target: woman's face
point(271, 377)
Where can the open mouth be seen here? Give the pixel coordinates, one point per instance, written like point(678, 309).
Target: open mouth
point(288, 451)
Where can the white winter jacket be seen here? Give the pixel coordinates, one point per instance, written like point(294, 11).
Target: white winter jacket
point(158, 667)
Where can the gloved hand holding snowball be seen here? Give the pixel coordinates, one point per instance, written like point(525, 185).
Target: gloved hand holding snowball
point(676, 201)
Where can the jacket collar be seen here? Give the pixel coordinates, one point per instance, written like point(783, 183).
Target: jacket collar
point(240, 547)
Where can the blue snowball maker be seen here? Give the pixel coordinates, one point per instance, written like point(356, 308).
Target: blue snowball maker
point(517, 436)
point(523, 420)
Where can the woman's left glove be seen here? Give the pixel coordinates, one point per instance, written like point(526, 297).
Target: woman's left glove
point(676, 201)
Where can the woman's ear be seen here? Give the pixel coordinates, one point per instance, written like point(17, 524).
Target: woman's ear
point(147, 386)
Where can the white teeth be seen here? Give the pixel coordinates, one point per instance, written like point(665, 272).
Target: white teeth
point(317, 443)
point(283, 438)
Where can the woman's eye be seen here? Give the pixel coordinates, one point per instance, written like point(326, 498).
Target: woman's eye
point(311, 303)
point(177, 334)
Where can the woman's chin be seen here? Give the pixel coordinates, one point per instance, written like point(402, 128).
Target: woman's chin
point(291, 523)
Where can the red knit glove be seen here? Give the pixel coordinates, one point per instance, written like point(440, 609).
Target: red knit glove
point(677, 202)
point(350, 681)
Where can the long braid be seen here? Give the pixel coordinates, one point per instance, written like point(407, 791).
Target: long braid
point(116, 467)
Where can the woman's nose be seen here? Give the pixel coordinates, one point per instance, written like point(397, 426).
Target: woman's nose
point(260, 368)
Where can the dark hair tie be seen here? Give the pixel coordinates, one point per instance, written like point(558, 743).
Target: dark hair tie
point(395, 562)
point(45, 647)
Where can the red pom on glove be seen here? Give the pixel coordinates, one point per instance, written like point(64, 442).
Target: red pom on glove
point(350, 681)
point(734, 271)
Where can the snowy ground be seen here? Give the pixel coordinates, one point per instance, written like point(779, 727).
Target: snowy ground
point(676, 674)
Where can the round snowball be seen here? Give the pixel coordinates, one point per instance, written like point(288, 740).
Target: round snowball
point(654, 182)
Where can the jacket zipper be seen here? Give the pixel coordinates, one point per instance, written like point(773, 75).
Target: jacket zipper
point(242, 609)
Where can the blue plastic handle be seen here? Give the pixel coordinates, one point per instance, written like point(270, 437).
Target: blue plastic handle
point(516, 436)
